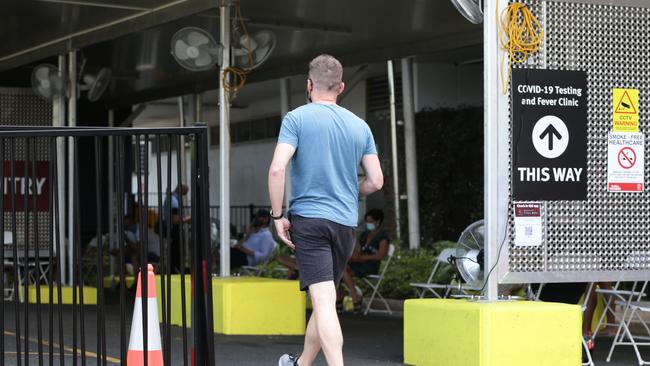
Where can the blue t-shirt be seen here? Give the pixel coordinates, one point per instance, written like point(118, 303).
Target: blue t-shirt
point(330, 142)
point(170, 206)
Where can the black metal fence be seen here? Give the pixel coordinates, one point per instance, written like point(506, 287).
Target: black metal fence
point(49, 332)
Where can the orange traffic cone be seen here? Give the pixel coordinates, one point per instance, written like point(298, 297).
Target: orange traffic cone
point(135, 356)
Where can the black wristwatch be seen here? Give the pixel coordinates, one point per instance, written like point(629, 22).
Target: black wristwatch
point(276, 217)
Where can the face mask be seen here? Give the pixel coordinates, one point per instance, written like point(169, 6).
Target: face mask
point(370, 226)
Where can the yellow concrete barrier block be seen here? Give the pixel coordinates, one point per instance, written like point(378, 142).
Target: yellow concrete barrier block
point(108, 281)
point(244, 305)
point(444, 332)
point(176, 303)
point(89, 293)
point(258, 306)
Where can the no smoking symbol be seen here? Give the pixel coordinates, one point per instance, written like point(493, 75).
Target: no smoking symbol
point(626, 158)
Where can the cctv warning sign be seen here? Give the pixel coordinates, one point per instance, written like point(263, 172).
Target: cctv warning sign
point(625, 107)
point(549, 135)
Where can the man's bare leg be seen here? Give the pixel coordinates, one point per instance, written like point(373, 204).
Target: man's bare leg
point(323, 299)
point(312, 343)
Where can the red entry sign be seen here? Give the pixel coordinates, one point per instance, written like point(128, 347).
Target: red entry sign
point(26, 187)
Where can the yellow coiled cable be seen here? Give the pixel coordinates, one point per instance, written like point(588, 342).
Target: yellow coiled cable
point(520, 35)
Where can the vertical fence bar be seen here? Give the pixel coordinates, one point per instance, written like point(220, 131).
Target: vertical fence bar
point(144, 268)
point(161, 243)
point(2, 253)
point(26, 150)
point(33, 188)
point(168, 233)
point(119, 182)
point(51, 141)
point(203, 201)
point(60, 253)
point(181, 242)
point(101, 326)
point(14, 238)
point(72, 166)
point(198, 317)
point(79, 254)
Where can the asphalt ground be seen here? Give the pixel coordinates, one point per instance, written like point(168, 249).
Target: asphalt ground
point(369, 340)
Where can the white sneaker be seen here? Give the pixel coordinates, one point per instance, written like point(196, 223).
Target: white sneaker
point(288, 360)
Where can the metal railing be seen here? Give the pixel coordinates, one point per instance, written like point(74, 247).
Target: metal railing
point(31, 180)
point(240, 215)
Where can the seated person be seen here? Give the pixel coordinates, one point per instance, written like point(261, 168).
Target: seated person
point(257, 245)
point(371, 249)
point(133, 248)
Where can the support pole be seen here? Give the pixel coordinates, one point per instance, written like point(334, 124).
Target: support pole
point(410, 155)
point(393, 145)
point(59, 121)
point(285, 107)
point(491, 82)
point(72, 121)
point(224, 143)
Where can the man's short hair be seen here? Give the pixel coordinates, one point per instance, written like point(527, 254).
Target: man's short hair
point(325, 72)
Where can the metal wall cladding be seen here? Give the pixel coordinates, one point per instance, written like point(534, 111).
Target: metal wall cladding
point(609, 231)
point(21, 107)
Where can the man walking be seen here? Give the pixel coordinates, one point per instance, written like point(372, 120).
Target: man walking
point(325, 143)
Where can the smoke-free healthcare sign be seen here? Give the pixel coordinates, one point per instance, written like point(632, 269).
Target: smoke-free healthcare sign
point(549, 135)
point(625, 162)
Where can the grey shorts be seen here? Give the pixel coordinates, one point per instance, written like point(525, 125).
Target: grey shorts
point(323, 248)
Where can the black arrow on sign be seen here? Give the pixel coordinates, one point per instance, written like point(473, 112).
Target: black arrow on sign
point(550, 131)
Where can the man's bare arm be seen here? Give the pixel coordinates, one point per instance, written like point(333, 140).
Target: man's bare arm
point(281, 157)
point(374, 179)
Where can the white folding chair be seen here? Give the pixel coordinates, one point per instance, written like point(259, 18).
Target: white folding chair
point(585, 346)
point(614, 296)
point(374, 281)
point(438, 290)
point(632, 310)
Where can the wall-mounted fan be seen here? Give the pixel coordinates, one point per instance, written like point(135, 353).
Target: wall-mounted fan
point(195, 49)
point(469, 257)
point(46, 81)
point(472, 10)
point(97, 84)
point(251, 51)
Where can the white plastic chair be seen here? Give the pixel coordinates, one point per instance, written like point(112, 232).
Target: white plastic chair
point(631, 312)
point(614, 296)
point(439, 290)
point(374, 281)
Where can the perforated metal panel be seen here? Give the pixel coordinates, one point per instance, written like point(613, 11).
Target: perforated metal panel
point(607, 236)
point(21, 107)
